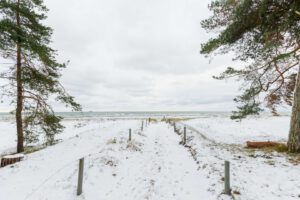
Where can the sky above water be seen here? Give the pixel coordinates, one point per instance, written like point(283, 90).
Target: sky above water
point(135, 55)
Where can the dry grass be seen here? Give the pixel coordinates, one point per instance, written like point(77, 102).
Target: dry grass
point(294, 159)
point(175, 119)
point(112, 141)
point(153, 120)
point(32, 149)
point(134, 146)
point(280, 148)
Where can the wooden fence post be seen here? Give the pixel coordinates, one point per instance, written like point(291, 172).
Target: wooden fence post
point(227, 178)
point(142, 125)
point(184, 135)
point(80, 177)
point(129, 138)
point(174, 127)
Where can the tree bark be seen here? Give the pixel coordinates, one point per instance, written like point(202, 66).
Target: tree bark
point(294, 134)
point(19, 121)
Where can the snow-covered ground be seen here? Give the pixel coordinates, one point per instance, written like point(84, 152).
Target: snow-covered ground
point(255, 174)
point(7, 136)
point(154, 165)
point(222, 129)
point(21, 180)
point(73, 127)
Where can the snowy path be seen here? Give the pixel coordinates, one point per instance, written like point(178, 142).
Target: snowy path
point(153, 167)
point(163, 169)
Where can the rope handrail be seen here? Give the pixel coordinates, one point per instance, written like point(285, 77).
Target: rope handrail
point(60, 169)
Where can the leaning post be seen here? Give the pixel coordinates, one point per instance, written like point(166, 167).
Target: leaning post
point(80, 177)
point(184, 135)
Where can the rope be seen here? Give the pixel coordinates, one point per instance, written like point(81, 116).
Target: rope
point(60, 169)
point(221, 146)
point(47, 179)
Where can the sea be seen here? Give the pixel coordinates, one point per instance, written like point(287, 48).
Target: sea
point(131, 114)
point(137, 115)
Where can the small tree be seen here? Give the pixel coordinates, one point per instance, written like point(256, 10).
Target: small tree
point(265, 34)
point(34, 78)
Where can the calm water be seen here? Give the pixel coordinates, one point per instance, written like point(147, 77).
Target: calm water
point(126, 115)
point(91, 115)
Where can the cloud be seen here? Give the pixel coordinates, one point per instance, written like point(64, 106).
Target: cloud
point(137, 55)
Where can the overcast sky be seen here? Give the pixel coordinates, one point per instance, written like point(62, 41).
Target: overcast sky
point(138, 55)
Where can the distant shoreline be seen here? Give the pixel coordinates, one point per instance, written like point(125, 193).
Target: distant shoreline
point(143, 114)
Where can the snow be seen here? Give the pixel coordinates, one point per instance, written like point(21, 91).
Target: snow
point(8, 137)
point(39, 166)
point(255, 174)
point(154, 165)
point(223, 129)
point(18, 155)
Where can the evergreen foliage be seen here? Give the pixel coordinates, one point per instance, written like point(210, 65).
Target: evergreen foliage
point(24, 40)
point(266, 35)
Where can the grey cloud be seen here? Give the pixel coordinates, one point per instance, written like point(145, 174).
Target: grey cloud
point(137, 55)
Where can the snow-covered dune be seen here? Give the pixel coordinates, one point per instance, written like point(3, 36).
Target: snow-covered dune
point(223, 129)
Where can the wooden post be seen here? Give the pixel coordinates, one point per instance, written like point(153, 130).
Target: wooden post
point(174, 127)
point(142, 125)
point(227, 178)
point(11, 159)
point(80, 176)
point(129, 139)
point(184, 135)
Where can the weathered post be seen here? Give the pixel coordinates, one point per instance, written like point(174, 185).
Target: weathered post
point(142, 125)
point(227, 178)
point(174, 127)
point(184, 135)
point(80, 177)
point(129, 138)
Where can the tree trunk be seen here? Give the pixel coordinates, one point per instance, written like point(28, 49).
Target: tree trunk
point(294, 134)
point(19, 121)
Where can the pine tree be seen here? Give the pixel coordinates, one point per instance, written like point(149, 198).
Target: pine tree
point(34, 78)
point(265, 34)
